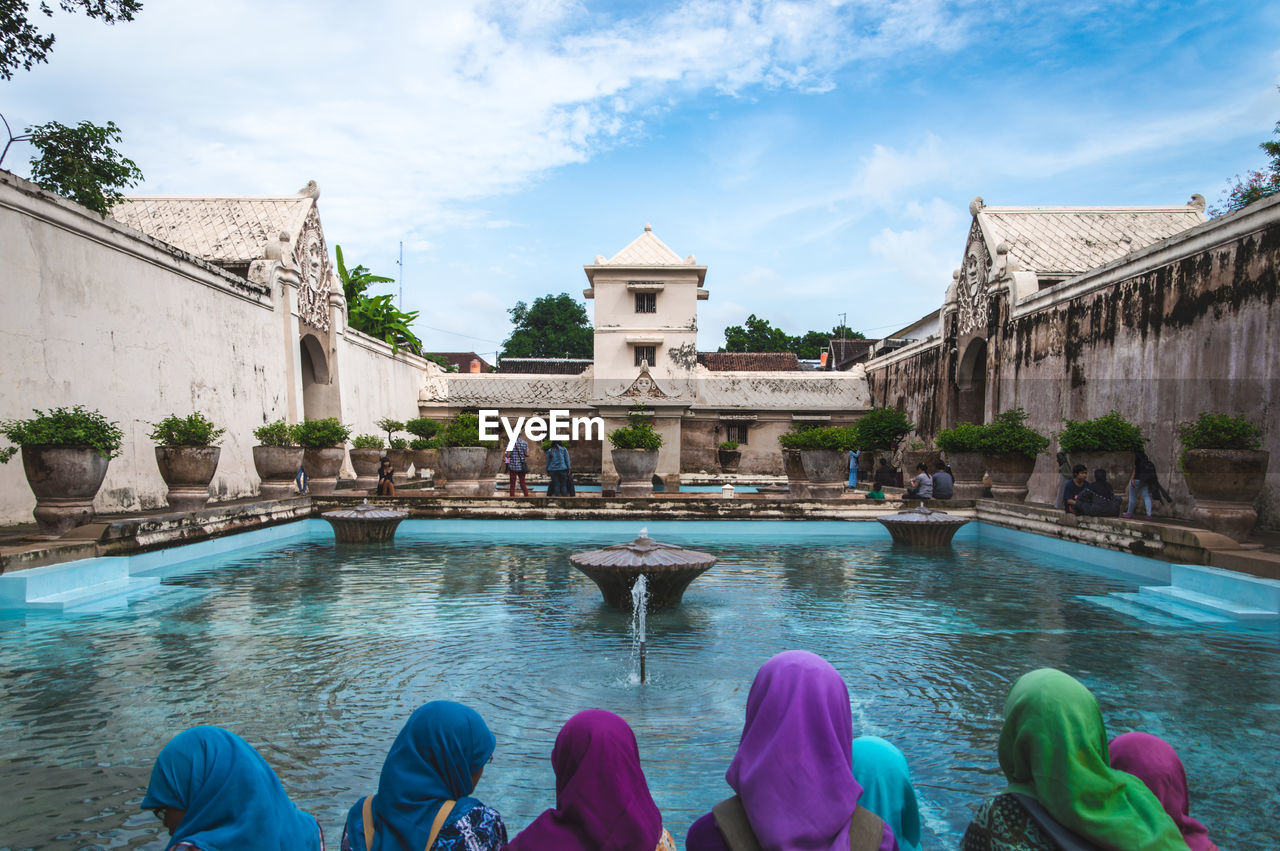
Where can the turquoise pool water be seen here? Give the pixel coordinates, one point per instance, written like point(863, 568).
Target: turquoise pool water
point(316, 655)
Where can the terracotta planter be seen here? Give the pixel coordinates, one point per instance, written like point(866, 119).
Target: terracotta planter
point(729, 459)
point(797, 480)
point(322, 466)
point(1009, 476)
point(913, 457)
point(400, 460)
point(1119, 466)
point(64, 479)
point(635, 470)
point(1225, 483)
point(188, 470)
point(277, 466)
point(365, 462)
point(425, 461)
point(464, 470)
point(967, 468)
point(827, 472)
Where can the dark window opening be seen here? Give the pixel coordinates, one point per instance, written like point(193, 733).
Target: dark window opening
point(737, 432)
point(646, 302)
point(646, 354)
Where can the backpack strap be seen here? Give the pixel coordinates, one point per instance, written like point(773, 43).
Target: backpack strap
point(866, 830)
point(366, 814)
point(441, 815)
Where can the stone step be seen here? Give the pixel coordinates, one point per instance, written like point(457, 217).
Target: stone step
point(1249, 592)
point(107, 595)
point(17, 588)
point(1208, 603)
point(1126, 603)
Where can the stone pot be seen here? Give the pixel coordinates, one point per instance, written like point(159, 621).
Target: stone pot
point(913, 457)
point(400, 460)
point(797, 479)
point(64, 479)
point(1225, 483)
point(366, 462)
point(188, 470)
point(729, 459)
point(1119, 467)
point(1009, 476)
point(321, 467)
point(827, 472)
point(967, 468)
point(425, 460)
point(635, 471)
point(277, 466)
point(463, 468)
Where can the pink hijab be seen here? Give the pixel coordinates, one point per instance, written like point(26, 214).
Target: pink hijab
point(1153, 761)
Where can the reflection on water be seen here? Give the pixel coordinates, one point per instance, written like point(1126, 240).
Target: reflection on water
point(317, 654)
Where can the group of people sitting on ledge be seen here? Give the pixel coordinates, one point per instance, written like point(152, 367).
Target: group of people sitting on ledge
point(800, 780)
point(1078, 495)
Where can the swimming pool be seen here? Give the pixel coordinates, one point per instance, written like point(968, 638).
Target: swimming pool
point(317, 654)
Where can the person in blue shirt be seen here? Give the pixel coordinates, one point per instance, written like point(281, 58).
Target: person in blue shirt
point(853, 467)
point(558, 469)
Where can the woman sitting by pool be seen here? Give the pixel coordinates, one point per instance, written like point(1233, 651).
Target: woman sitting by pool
point(881, 769)
point(422, 801)
point(1154, 761)
point(793, 774)
point(213, 791)
point(1062, 788)
point(602, 798)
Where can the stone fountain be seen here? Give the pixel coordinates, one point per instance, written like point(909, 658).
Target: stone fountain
point(920, 527)
point(668, 570)
point(364, 524)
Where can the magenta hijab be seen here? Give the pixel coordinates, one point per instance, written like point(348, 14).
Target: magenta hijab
point(602, 799)
point(794, 766)
point(1154, 761)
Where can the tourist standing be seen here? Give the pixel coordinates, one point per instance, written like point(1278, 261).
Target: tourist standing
point(558, 466)
point(944, 484)
point(1144, 482)
point(881, 769)
point(1154, 761)
point(517, 466)
point(602, 797)
point(853, 467)
point(212, 790)
point(1064, 474)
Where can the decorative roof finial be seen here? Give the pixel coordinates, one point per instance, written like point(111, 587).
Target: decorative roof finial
point(312, 190)
point(975, 205)
point(1197, 202)
point(648, 228)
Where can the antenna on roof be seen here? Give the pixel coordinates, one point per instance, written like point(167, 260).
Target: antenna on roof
point(843, 320)
point(400, 263)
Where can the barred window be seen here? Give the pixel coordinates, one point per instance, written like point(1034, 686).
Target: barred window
point(645, 353)
point(736, 432)
point(646, 303)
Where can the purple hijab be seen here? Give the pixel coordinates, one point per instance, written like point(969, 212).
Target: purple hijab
point(1154, 761)
point(602, 799)
point(793, 769)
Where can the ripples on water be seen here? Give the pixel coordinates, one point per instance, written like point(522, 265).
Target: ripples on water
point(317, 654)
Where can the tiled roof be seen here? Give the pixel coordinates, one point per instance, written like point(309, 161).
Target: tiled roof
point(220, 230)
point(1069, 240)
point(544, 366)
point(749, 361)
point(462, 360)
point(845, 352)
point(646, 250)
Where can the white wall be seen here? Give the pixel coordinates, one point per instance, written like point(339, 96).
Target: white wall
point(377, 383)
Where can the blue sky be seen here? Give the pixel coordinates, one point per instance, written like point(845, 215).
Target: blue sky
point(818, 157)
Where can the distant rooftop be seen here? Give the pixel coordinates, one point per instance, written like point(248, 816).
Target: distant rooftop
point(544, 366)
point(750, 361)
point(462, 360)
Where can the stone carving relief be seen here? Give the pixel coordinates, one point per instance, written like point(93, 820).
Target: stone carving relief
point(312, 260)
point(644, 387)
point(971, 292)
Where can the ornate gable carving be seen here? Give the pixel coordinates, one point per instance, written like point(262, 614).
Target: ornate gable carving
point(644, 387)
point(311, 256)
point(971, 292)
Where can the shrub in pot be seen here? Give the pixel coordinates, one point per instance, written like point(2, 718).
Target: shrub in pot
point(880, 431)
point(963, 446)
point(187, 458)
point(1103, 443)
point(729, 456)
point(790, 441)
point(824, 456)
point(323, 444)
point(469, 464)
point(918, 453)
point(65, 452)
point(1009, 450)
point(635, 453)
point(397, 447)
point(424, 448)
point(1225, 467)
point(277, 459)
point(366, 455)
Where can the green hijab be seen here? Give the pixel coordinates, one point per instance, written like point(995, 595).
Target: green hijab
point(1054, 748)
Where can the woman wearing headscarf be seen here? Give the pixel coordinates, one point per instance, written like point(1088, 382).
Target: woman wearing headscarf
point(602, 798)
point(423, 792)
point(792, 775)
point(1154, 761)
point(1063, 792)
point(881, 769)
point(214, 792)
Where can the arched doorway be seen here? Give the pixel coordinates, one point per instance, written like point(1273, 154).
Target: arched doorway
point(971, 383)
point(317, 384)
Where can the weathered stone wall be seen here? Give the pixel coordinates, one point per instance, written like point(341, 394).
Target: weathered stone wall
point(377, 382)
point(909, 382)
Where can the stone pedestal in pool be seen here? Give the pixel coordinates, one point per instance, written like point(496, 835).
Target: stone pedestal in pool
point(667, 569)
point(920, 527)
point(364, 524)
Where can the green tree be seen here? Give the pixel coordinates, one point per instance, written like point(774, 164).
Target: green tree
point(377, 315)
point(22, 45)
point(80, 163)
point(555, 326)
point(1259, 184)
point(757, 336)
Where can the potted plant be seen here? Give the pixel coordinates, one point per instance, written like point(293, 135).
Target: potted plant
point(397, 447)
point(729, 456)
point(323, 444)
point(963, 445)
point(880, 430)
point(1009, 450)
point(635, 453)
point(1103, 443)
point(918, 453)
point(187, 458)
point(1225, 467)
point(366, 457)
point(468, 463)
point(277, 458)
point(65, 452)
point(424, 447)
point(824, 456)
point(791, 441)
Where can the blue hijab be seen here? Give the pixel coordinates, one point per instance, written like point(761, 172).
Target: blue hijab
point(432, 761)
point(233, 800)
point(886, 788)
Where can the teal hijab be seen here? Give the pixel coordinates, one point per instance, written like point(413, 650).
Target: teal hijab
point(232, 798)
point(441, 747)
point(882, 771)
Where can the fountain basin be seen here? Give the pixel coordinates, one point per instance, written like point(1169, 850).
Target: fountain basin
point(921, 527)
point(364, 524)
point(667, 568)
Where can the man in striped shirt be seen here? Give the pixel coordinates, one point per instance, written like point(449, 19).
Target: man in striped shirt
point(517, 465)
